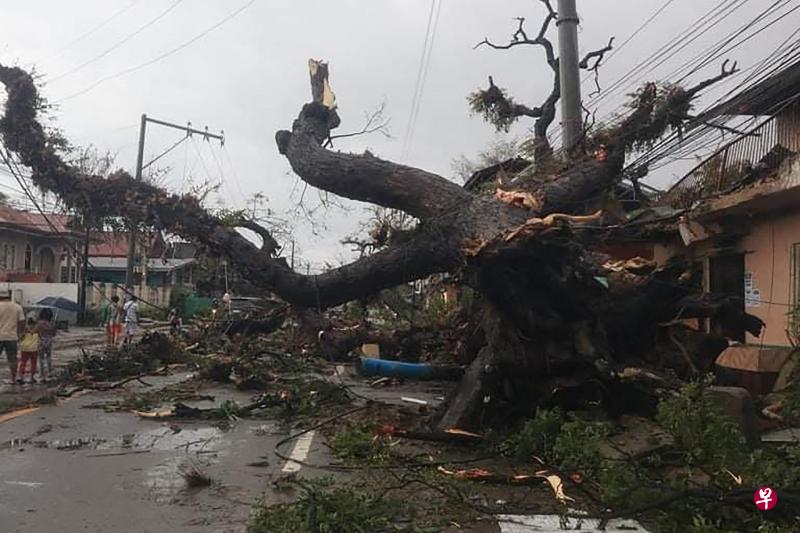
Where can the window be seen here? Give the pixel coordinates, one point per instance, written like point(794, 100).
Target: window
point(13, 259)
point(28, 257)
point(4, 257)
point(73, 274)
point(64, 274)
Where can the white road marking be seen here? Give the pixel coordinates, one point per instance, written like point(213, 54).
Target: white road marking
point(32, 484)
point(299, 453)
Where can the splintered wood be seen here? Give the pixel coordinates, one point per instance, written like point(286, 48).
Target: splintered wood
point(518, 198)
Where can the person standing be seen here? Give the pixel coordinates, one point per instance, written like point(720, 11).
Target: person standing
point(12, 320)
point(131, 311)
point(175, 321)
point(47, 333)
point(29, 351)
point(111, 321)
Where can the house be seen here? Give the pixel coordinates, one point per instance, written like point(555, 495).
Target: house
point(737, 214)
point(34, 250)
point(159, 267)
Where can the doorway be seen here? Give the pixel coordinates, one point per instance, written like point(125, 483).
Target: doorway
point(726, 276)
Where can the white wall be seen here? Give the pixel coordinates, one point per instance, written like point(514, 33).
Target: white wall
point(28, 293)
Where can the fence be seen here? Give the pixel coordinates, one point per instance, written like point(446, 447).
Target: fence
point(755, 154)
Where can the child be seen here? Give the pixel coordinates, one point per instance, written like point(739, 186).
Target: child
point(47, 332)
point(29, 351)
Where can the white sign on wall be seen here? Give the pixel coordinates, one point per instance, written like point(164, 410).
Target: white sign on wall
point(752, 296)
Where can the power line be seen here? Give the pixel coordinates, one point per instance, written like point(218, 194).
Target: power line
point(697, 29)
point(93, 30)
point(165, 152)
point(162, 56)
point(422, 74)
point(119, 43)
point(667, 145)
point(636, 32)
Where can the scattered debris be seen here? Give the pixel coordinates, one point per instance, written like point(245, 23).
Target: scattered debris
point(194, 477)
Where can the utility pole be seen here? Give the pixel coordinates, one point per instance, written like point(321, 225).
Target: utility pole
point(569, 74)
point(141, 165)
point(82, 304)
point(132, 232)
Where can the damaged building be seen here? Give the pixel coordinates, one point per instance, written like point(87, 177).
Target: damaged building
point(736, 216)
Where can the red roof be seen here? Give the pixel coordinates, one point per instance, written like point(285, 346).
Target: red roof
point(23, 277)
point(34, 222)
point(115, 244)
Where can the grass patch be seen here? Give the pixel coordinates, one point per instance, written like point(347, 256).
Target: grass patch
point(696, 477)
point(7, 406)
point(360, 444)
point(325, 507)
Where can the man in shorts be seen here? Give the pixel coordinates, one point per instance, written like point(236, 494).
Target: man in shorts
point(12, 320)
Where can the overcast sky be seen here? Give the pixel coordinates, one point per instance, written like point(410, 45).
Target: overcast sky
point(249, 77)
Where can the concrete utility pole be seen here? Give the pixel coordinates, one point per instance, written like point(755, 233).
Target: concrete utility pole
point(132, 232)
point(571, 112)
point(140, 166)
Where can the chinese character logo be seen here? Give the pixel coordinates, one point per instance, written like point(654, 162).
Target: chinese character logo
point(765, 498)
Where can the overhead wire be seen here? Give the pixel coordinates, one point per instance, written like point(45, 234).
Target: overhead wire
point(233, 168)
point(223, 177)
point(727, 40)
point(93, 30)
point(165, 152)
point(760, 74)
point(422, 76)
point(159, 57)
point(718, 49)
point(632, 76)
point(119, 43)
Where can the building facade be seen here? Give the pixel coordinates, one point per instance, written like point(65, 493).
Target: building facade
point(738, 212)
point(33, 248)
point(159, 268)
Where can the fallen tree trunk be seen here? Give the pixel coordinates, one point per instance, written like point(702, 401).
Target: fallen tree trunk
point(547, 318)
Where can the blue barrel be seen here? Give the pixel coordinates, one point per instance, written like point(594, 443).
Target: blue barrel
point(394, 369)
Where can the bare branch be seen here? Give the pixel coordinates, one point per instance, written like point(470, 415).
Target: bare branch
point(375, 122)
point(597, 55)
point(724, 73)
point(520, 37)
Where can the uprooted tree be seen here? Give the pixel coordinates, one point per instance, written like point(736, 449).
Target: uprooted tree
point(548, 325)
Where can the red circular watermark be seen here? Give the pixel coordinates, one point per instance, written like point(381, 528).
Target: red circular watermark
point(765, 498)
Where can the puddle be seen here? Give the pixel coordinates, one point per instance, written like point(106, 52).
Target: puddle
point(194, 440)
point(186, 439)
point(13, 443)
point(91, 443)
point(164, 481)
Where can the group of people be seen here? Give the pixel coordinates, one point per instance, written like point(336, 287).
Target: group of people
point(31, 339)
point(116, 316)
